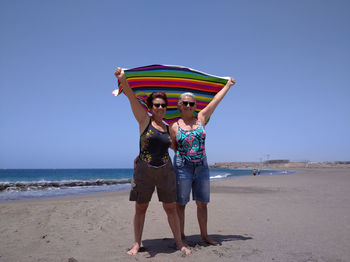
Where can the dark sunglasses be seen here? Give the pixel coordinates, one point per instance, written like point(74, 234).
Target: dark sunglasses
point(185, 103)
point(158, 105)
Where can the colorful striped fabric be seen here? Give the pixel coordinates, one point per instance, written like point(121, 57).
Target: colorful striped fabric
point(173, 80)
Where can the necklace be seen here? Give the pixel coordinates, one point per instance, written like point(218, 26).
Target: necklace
point(158, 122)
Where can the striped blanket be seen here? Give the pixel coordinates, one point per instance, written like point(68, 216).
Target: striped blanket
point(173, 80)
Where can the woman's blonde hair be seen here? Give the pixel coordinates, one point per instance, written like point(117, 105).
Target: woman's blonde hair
point(179, 102)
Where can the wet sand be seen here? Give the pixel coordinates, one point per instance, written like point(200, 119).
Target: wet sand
point(296, 217)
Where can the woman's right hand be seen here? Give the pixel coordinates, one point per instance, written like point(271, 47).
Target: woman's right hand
point(119, 73)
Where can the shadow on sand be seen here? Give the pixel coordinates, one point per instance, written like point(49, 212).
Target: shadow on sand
point(168, 246)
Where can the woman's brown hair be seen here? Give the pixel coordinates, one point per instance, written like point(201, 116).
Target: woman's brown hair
point(155, 95)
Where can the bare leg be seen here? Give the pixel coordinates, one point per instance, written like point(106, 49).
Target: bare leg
point(139, 221)
point(202, 215)
point(181, 213)
point(174, 223)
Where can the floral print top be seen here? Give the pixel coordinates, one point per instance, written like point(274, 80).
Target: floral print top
point(191, 143)
point(154, 146)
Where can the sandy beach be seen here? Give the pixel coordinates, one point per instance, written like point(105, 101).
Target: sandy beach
point(288, 218)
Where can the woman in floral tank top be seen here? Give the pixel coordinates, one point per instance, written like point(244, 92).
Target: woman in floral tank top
point(190, 162)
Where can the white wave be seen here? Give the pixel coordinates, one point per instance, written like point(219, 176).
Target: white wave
point(221, 176)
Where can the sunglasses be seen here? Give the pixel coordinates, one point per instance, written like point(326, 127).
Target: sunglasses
point(158, 105)
point(185, 103)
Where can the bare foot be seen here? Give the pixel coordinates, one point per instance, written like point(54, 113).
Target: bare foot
point(209, 241)
point(183, 238)
point(134, 250)
point(185, 250)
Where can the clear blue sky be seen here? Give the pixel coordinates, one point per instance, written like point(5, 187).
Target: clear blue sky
point(291, 61)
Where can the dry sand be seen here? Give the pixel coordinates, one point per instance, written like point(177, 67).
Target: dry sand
point(297, 217)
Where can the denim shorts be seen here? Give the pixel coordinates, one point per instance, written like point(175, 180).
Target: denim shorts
point(192, 175)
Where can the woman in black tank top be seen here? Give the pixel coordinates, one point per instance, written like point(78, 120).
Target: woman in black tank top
point(154, 168)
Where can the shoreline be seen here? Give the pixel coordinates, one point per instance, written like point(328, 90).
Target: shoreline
point(18, 191)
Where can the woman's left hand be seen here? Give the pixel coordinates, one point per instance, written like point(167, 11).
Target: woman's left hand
point(231, 82)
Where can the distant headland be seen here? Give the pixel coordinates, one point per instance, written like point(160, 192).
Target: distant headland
point(280, 164)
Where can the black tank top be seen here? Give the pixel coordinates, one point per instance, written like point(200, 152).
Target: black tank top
point(154, 145)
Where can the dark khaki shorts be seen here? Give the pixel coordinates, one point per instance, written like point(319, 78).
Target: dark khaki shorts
point(146, 178)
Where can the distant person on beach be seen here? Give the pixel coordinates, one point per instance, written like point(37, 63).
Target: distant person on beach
point(190, 161)
point(259, 172)
point(154, 167)
point(254, 172)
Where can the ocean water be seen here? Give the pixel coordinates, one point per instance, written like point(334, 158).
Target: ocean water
point(22, 184)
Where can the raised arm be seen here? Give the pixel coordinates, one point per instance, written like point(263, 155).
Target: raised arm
point(206, 112)
point(139, 112)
